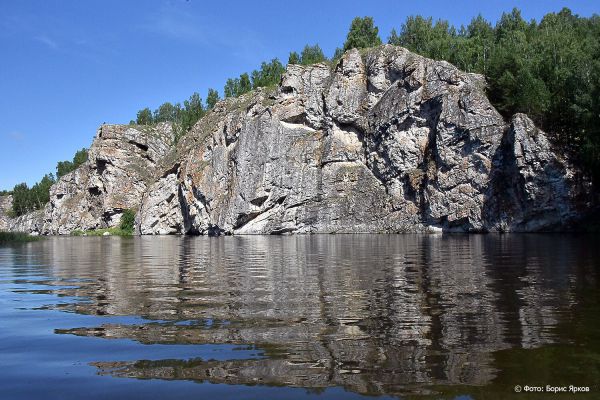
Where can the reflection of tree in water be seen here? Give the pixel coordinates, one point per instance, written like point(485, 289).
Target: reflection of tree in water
point(375, 314)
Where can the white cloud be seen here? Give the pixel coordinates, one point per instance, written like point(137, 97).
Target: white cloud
point(178, 24)
point(15, 136)
point(47, 41)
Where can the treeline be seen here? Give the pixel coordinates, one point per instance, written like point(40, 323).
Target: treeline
point(27, 199)
point(362, 33)
point(185, 116)
point(548, 69)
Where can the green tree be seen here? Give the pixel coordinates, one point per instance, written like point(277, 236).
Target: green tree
point(268, 75)
point(245, 84)
point(231, 87)
point(167, 112)
point(64, 167)
point(363, 33)
point(480, 43)
point(27, 199)
point(192, 111)
point(337, 55)
point(238, 86)
point(144, 117)
point(21, 199)
point(40, 192)
point(294, 58)
point(312, 55)
point(422, 36)
point(127, 223)
point(212, 98)
point(80, 157)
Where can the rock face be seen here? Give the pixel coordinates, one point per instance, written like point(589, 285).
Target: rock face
point(387, 141)
point(121, 164)
point(31, 222)
point(5, 207)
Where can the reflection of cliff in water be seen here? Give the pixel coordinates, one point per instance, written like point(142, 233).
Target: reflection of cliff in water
point(370, 313)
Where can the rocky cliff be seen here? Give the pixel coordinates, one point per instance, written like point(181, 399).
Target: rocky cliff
point(386, 141)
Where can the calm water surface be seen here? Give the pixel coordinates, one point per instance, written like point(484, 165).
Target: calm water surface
point(297, 317)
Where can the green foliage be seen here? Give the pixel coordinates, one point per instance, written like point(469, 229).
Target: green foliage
point(245, 85)
point(27, 199)
point(337, 55)
point(80, 157)
point(125, 228)
point(294, 58)
point(421, 34)
point(127, 221)
point(550, 70)
point(230, 89)
point(363, 33)
point(211, 99)
point(64, 167)
point(166, 112)
point(309, 55)
point(16, 237)
point(5, 192)
point(312, 55)
point(192, 111)
point(144, 117)
point(238, 86)
point(268, 75)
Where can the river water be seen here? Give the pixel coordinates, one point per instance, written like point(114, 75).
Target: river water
point(297, 317)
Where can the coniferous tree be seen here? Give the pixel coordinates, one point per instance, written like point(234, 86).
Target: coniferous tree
point(338, 53)
point(144, 117)
point(363, 33)
point(192, 111)
point(165, 112)
point(231, 87)
point(245, 84)
point(312, 55)
point(212, 98)
point(80, 157)
point(294, 58)
point(268, 75)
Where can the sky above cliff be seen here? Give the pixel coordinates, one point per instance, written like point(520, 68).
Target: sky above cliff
point(68, 66)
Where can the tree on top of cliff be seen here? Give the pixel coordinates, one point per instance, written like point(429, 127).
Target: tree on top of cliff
point(549, 70)
point(269, 74)
point(64, 167)
point(294, 58)
point(309, 55)
point(211, 98)
point(363, 33)
point(237, 86)
point(312, 55)
point(27, 199)
point(144, 117)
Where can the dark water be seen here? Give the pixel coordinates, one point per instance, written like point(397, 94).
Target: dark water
point(323, 317)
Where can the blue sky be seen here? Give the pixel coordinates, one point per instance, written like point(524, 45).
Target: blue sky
point(68, 66)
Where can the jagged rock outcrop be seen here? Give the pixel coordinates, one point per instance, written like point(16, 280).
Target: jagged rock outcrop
point(387, 141)
point(5, 207)
point(121, 165)
point(31, 222)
